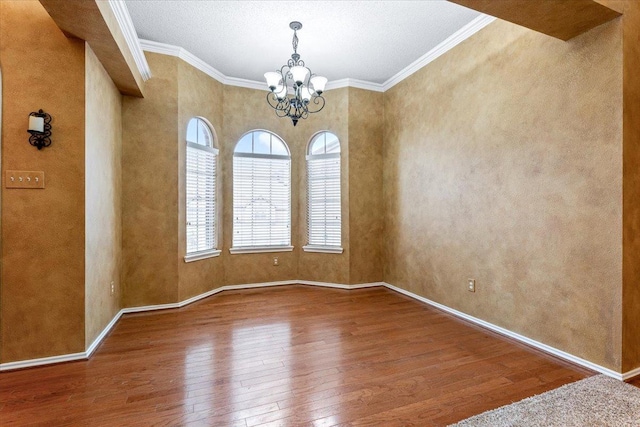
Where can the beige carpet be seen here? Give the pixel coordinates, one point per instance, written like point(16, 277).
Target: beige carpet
point(595, 401)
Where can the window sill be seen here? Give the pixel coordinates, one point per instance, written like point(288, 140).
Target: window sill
point(323, 249)
point(260, 249)
point(197, 256)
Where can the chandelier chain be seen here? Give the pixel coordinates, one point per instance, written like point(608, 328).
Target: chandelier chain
point(295, 41)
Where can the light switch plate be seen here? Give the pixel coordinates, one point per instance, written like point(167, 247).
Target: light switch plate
point(24, 179)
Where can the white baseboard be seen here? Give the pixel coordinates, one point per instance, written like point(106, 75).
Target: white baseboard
point(340, 285)
point(258, 285)
point(247, 286)
point(30, 363)
point(533, 343)
point(143, 308)
point(21, 364)
point(207, 294)
point(630, 374)
point(102, 335)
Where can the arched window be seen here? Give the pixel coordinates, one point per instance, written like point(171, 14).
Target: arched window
point(201, 177)
point(261, 194)
point(324, 213)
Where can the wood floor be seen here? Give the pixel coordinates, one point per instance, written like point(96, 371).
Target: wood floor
point(286, 356)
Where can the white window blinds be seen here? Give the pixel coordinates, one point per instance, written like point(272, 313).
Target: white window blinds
point(261, 192)
point(323, 196)
point(200, 188)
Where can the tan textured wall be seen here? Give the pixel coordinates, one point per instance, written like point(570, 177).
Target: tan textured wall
point(503, 164)
point(103, 222)
point(42, 230)
point(631, 188)
point(154, 269)
point(198, 95)
point(150, 188)
point(322, 267)
point(366, 210)
point(245, 110)
point(0, 210)
point(617, 5)
point(153, 152)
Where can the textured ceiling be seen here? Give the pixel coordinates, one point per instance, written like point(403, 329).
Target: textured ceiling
point(365, 40)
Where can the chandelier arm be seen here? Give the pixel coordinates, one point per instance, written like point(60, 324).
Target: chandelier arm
point(280, 106)
point(318, 101)
point(288, 66)
point(293, 109)
point(271, 97)
point(304, 113)
point(281, 113)
point(283, 108)
point(283, 104)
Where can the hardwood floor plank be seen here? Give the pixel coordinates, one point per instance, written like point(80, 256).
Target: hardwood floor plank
point(286, 356)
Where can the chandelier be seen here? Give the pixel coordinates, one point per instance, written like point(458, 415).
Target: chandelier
point(295, 78)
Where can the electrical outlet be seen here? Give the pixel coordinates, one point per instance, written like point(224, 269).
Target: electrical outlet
point(113, 288)
point(275, 261)
point(471, 285)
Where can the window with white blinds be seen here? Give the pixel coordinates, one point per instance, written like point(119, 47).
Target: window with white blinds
point(324, 208)
point(200, 189)
point(261, 193)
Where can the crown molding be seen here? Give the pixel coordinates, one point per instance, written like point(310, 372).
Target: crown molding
point(185, 55)
point(123, 18)
point(198, 63)
point(449, 43)
point(456, 38)
point(251, 84)
point(161, 48)
point(360, 84)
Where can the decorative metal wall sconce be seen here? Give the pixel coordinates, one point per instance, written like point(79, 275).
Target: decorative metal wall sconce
point(40, 129)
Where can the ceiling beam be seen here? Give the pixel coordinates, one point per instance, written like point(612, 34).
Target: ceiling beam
point(95, 22)
point(562, 19)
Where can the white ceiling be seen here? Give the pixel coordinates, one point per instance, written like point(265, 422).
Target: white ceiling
point(364, 40)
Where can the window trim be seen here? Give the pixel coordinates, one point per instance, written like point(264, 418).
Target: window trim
point(323, 156)
point(263, 249)
point(262, 156)
point(323, 249)
point(260, 249)
point(213, 150)
point(197, 256)
point(215, 251)
point(308, 156)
